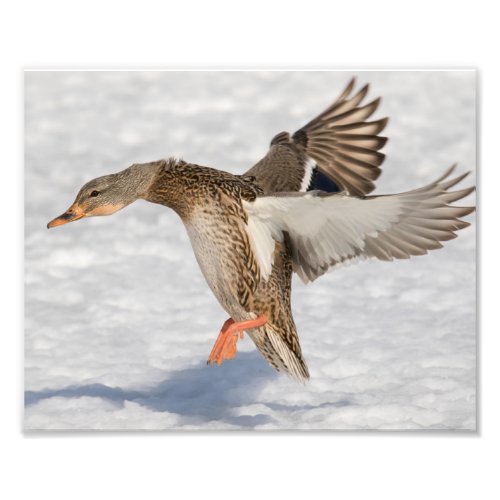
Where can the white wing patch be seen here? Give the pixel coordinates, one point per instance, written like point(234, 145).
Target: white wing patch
point(263, 241)
point(326, 230)
point(306, 180)
point(322, 228)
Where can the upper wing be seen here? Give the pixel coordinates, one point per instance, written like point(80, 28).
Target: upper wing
point(338, 144)
point(325, 230)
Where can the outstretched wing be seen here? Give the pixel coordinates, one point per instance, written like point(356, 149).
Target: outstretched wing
point(325, 230)
point(336, 151)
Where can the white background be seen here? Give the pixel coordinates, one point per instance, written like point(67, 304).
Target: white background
point(217, 34)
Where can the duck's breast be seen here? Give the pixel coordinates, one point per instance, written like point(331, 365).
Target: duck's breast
point(223, 252)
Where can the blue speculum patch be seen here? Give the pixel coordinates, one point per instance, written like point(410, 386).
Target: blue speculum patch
point(321, 182)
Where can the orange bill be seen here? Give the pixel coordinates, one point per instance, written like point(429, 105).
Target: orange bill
point(73, 213)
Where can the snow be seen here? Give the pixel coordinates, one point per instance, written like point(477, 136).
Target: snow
point(119, 321)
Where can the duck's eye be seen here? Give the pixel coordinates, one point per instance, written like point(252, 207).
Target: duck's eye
point(93, 194)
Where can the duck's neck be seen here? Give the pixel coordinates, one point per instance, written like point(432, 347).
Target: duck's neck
point(139, 178)
point(167, 182)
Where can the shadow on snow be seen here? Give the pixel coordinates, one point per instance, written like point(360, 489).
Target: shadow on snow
point(200, 394)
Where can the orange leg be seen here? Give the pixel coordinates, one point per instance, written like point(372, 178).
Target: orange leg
point(225, 345)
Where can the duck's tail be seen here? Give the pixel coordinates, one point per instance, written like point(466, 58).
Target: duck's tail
point(280, 346)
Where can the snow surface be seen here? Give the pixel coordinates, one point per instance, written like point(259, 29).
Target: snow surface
point(119, 321)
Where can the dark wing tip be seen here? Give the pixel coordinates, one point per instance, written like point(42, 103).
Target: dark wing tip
point(383, 123)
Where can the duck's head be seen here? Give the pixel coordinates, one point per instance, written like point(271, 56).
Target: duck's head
point(108, 194)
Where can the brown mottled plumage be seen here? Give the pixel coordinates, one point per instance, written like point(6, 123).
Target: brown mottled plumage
point(250, 232)
point(226, 261)
point(339, 141)
point(223, 250)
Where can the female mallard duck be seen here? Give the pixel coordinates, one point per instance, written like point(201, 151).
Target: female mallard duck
point(302, 208)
